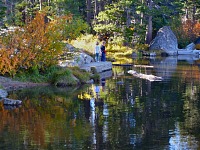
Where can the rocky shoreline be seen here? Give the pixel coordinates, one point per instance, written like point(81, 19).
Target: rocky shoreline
point(79, 59)
point(8, 84)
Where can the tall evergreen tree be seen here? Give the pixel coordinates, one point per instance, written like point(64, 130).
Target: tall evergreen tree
point(114, 20)
point(122, 16)
point(2, 11)
point(159, 13)
point(192, 9)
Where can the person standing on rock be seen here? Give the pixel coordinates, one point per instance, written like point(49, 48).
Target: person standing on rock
point(103, 51)
point(97, 52)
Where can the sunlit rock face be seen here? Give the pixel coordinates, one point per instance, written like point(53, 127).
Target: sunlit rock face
point(165, 40)
point(74, 57)
point(77, 59)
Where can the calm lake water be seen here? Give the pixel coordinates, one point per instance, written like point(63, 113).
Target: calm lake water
point(120, 113)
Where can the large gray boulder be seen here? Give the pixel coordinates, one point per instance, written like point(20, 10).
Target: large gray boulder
point(74, 57)
point(78, 59)
point(100, 66)
point(165, 40)
point(70, 47)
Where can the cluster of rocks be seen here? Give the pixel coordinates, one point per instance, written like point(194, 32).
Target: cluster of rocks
point(7, 84)
point(7, 101)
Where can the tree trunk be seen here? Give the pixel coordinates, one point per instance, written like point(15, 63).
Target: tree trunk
point(142, 14)
point(186, 14)
point(128, 17)
point(193, 14)
point(96, 5)
point(101, 5)
point(149, 26)
point(40, 4)
point(89, 9)
point(96, 10)
point(149, 30)
point(8, 8)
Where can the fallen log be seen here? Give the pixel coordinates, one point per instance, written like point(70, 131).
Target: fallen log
point(145, 76)
point(143, 66)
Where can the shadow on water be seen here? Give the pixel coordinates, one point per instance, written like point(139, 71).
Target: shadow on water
point(120, 112)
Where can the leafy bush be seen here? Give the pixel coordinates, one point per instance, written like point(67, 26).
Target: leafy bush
point(82, 75)
point(86, 42)
point(95, 77)
point(38, 44)
point(55, 75)
point(93, 70)
point(123, 54)
point(141, 47)
point(64, 77)
point(185, 32)
point(35, 75)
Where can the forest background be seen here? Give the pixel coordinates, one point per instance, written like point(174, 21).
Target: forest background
point(42, 28)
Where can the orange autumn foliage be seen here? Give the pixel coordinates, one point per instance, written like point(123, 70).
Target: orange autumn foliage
point(36, 45)
point(197, 29)
point(186, 32)
point(191, 29)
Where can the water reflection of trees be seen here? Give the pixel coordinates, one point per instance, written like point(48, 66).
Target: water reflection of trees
point(164, 67)
point(129, 113)
point(158, 105)
point(46, 120)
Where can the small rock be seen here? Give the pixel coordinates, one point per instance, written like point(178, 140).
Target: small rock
point(165, 40)
point(8, 101)
point(3, 93)
point(90, 81)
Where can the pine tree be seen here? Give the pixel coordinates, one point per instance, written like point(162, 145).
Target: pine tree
point(2, 10)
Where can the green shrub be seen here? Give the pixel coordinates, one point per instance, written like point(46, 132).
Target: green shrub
point(55, 75)
point(63, 77)
point(30, 75)
point(82, 75)
point(95, 77)
point(93, 70)
point(48, 72)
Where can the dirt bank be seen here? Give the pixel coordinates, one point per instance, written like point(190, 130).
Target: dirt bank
point(9, 84)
